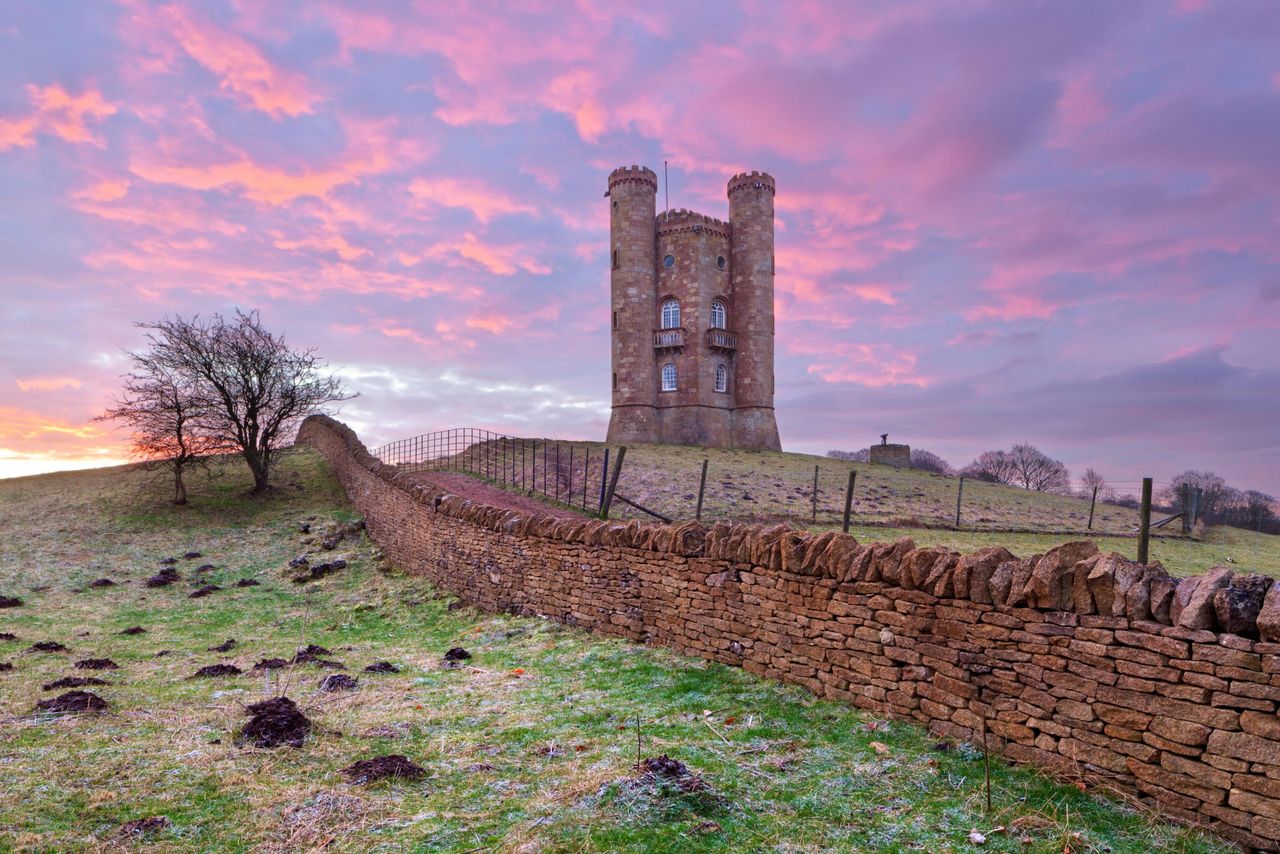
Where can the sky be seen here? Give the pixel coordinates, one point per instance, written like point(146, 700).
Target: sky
point(997, 222)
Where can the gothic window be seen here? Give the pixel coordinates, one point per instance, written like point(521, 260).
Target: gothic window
point(717, 315)
point(722, 378)
point(670, 314)
point(616, 265)
point(668, 377)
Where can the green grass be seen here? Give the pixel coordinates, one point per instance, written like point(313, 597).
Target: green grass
point(530, 748)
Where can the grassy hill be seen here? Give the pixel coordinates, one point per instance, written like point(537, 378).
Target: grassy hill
point(770, 487)
point(530, 746)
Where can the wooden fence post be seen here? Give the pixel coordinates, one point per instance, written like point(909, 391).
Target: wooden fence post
point(702, 489)
point(1092, 502)
point(848, 498)
point(604, 476)
point(959, 496)
point(1185, 497)
point(613, 482)
point(1144, 532)
point(815, 493)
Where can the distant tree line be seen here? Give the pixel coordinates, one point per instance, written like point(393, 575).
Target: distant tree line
point(218, 386)
point(1026, 466)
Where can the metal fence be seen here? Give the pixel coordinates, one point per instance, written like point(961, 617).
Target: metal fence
point(567, 474)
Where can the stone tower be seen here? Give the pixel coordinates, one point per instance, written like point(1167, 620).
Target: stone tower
point(692, 320)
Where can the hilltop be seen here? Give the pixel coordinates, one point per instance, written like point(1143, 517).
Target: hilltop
point(528, 745)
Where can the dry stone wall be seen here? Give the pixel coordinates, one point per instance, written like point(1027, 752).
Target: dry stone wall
point(1085, 664)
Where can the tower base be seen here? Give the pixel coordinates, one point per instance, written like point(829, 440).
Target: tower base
point(754, 428)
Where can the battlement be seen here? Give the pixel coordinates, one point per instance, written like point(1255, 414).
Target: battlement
point(634, 175)
point(745, 180)
point(682, 221)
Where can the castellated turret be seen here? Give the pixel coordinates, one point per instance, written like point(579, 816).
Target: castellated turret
point(692, 316)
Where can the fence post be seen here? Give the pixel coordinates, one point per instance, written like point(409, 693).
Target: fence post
point(557, 471)
point(1186, 507)
point(1092, 502)
point(848, 498)
point(815, 493)
point(959, 497)
point(604, 476)
point(1195, 505)
point(613, 482)
point(586, 474)
point(1144, 532)
point(702, 488)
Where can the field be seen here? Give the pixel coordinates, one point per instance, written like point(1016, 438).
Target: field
point(529, 745)
point(769, 487)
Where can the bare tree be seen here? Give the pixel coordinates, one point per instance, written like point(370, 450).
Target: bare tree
point(1092, 480)
point(931, 462)
point(163, 416)
point(991, 466)
point(1034, 469)
point(1259, 510)
point(1215, 494)
point(249, 389)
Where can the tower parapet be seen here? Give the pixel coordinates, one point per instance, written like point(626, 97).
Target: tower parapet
point(692, 316)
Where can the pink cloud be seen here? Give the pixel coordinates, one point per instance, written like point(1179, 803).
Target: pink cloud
point(500, 259)
point(870, 365)
point(47, 383)
point(484, 201)
point(245, 73)
point(57, 112)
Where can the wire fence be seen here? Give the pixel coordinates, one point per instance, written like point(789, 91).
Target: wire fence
point(678, 483)
point(568, 474)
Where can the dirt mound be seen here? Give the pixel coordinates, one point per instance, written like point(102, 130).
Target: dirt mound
point(312, 652)
point(320, 570)
point(96, 664)
point(247, 582)
point(141, 826)
point(457, 654)
point(271, 664)
point(394, 766)
point(163, 578)
point(9, 601)
point(665, 769)
point(168, 561)
point(102, 582)
point(47, 646)
point(5, 667)
point(72, 702)
point(226, 646)
point(204, 591)
point(73, 682)
point(205, 567)
point(4, 636)
point(273, 723)
point(338, 682)
point(133, 630)
point(192, 555)
point(382, 667)
point(314, 649)
point(216, 670)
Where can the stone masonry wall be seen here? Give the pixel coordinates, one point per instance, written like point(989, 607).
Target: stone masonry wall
point(1085, 664)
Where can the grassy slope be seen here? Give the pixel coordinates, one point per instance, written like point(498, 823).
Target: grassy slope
point(767, 486)
point(524, 761)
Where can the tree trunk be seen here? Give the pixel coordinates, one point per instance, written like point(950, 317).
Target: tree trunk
point(179, 487)
point(258, 466)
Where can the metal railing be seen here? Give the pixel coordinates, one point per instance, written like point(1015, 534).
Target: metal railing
point(568, 474)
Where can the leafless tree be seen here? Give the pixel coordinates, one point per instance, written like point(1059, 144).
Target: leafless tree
point(1092, 480)
point(163, 416)
point(931, 462)
point(247, 387)
point(1259, 510)
point(1034, 469)
point(991, 466)
point(1215, 494)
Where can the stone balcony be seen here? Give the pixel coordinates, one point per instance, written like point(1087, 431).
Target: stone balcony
point(722, 339)
point(668, 339)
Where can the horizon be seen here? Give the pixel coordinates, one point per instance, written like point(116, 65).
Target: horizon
point(995, 224)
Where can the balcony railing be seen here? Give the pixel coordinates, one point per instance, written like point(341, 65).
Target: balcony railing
point(668, 339)
point(722, 339)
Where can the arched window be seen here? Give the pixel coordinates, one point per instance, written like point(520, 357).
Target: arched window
point(668, 377)
point(670, 314)
point(717, 315)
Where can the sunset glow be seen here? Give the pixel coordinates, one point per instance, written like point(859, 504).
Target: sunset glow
point(996, 222)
